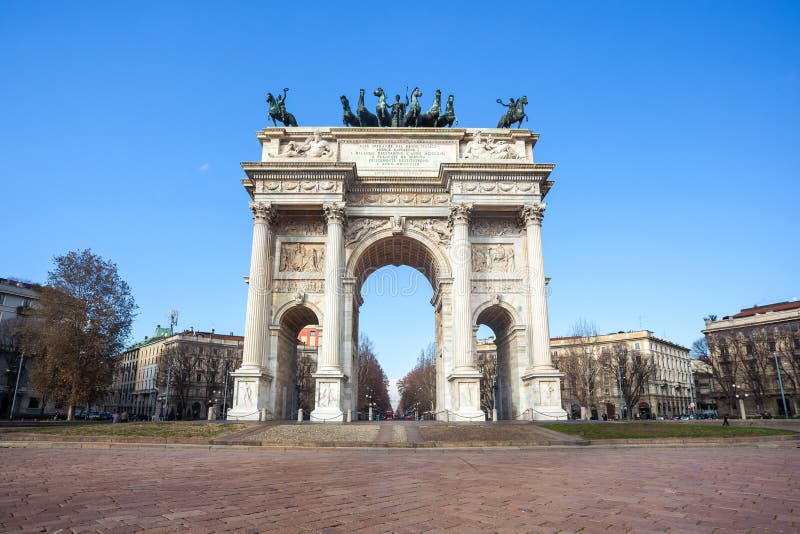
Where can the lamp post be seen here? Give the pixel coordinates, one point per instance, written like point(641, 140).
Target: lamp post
point(740, 397)
point(16, 386)
point(691, 384)
point(780, 383)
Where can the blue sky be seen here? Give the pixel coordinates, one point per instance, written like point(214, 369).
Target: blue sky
point(674, 127)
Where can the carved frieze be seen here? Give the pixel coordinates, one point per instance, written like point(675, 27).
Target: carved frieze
point(495, 227)
point(488, 148)
point(314, 147)
point(295, 286)
point(436, 229)
point(303, 227)
point(493, 258)
point(482, 187)
point(298, 186)
point(360, 227)
point(398, 199)
point(302, 257)
point(498, 286)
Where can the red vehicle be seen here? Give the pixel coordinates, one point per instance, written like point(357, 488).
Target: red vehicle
point(389, 414)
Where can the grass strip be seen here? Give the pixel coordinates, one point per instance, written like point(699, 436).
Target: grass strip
point(651, 430)
point(143, 429)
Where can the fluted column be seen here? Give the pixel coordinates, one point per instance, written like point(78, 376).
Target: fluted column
point(461, 257)
point(329, 358)
point(258, 291)
point(539, 328)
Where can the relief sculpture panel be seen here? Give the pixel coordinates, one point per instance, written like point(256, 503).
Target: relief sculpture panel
point(493, 258)
point(436, 229)
point(302, 257)
point(495, 227)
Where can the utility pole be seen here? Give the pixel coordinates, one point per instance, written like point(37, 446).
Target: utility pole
point(691, 382)
point(780, 383)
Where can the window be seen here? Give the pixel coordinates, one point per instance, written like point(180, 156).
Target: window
point(33, 403)
point(26, 303)
point(2, 299)
point(636, 346)
point(199, 377)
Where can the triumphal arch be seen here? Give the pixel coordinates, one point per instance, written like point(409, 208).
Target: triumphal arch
point(462, 206)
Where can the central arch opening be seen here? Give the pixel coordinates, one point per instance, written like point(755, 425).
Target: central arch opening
point(396, 280)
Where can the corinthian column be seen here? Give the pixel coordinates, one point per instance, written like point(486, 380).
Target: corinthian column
point(258, 291)
point(329, 358)
point(461, 256)
point(539, 329)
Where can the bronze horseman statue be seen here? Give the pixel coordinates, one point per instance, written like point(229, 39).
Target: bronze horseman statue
point(277, 109)
point(516, 112)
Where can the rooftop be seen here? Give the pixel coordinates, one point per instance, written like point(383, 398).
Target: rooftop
point(755, 310)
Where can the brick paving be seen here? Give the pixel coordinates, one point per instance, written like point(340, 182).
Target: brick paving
point(579, 489)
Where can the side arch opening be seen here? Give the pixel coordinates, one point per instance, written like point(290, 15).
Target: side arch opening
point(298, 342)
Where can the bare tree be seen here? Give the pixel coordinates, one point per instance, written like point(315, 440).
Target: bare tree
point(179, 362)
point(581, 366)
point(726, 357)
point(305, 383)
point(487, 366)
point(632, 370)
point(787, 345)
point(418, 388)
point(699, 348)
point(372, 380)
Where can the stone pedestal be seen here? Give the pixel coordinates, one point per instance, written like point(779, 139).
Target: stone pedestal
point(545, 395)
point(327, 404)
point(250, 395)
point(466, 395)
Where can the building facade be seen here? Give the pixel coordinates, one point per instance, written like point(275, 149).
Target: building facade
point(333, 205)
point(176, 375)
point(16, 299)
point(663, 378)
point(752, 355)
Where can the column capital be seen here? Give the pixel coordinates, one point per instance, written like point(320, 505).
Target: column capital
point(263, 212)
point(533, 213)
point(334, 212)
point(460, 213)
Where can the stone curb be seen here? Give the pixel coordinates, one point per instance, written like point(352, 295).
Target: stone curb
point(787, 441)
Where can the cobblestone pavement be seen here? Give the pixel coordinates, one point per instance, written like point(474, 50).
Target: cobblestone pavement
point(725, 489)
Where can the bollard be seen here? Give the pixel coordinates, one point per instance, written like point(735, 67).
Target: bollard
point(494, 415)
point(349, 416)
point(300, 415)
point(531, 415)
point(370, 413)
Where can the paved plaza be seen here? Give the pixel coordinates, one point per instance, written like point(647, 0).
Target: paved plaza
point(586, 489)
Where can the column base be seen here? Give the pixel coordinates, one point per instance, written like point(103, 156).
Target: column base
point(327, 404)
point(544, 399)
point(466, 397)
point(250, 395)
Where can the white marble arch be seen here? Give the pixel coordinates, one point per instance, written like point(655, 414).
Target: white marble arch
point(412, 203)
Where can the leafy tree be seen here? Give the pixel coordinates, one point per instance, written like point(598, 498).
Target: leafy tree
point(84, 317)
point(372, 380)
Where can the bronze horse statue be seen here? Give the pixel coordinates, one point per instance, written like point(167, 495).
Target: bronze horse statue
point(414, 109)
point(365, 118)
point(277, 110)
point(430, 117)
point(516, 112)
point(382, 109)
point(449, 116)
point(348, 117)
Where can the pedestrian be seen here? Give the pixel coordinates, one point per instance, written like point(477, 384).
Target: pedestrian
point(725, 420)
